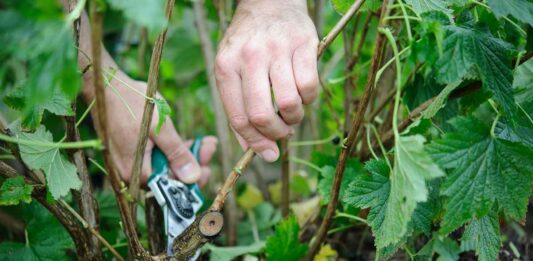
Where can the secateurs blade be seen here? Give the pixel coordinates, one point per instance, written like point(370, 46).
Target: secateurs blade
point(179, 202)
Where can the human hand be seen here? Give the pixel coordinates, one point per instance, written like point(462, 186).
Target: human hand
point(269, 43)
point(124, 132)
point(122, 93)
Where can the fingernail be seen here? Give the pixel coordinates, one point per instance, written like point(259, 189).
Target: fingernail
point(269, 155)
point(186, 168)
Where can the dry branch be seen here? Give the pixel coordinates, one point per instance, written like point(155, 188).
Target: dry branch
point(78, 235)
point(350, 141)
point(285, 175)
point(135, 246)
point(151, 90)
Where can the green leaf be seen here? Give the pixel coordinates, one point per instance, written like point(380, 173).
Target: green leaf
point(483, 171)
point(148, 13)
point(46, 46)
point(520, 9)
point(230, 253)
point(446, 247)
point(266, 217)
point(327, 174)
point(60, 174)
point(483, 235)
point(14, 190)
point(163, 110)
point(58, 104)
point(467, 49)
point(371, 191)
point(412, 167)
point(47, 240)
point(440, 101)
point(523, 81)
point(522, 129)
point(284, 244)
point(425, 212)
point(423, 6)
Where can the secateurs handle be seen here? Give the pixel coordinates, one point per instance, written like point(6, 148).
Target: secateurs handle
point(160, 164)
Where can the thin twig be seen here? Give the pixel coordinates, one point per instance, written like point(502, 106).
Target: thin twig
point(328, 39)
point(242, 164)
point(90, 228)
point(148, 113)
point(350, 140)
point(285, 171)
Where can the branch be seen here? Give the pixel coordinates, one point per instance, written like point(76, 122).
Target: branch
point(154, 215)
point(285, 175)
point(135, 246)
point(350, 142)
point(91, 230)
point(328, 39)
point(73, 228)
point(85, 197)
point(221, 121)
point(153, 79)
point(220, 5)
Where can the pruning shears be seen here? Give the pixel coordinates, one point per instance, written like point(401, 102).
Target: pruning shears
point(180, 202)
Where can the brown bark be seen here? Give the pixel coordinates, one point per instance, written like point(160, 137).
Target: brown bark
point(85, 197)
point(221, 121)
point(148, 113)
point(350, 140)
point(135, 246)
point(285, 176)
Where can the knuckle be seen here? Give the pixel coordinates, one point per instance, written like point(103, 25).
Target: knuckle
point(289, 104)
point(251, 52)
point(261, 118)
point(295, 118)
point(179, 152)
point(308, 83)
point(223, 65)
point(239, 122)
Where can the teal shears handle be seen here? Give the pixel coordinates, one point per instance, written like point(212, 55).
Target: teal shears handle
point(160, 164)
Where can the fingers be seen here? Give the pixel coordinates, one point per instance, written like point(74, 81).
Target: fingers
point(257, 96)
point(207, 149)
point(229, 86)
point(304, 64)
point(285, 92)
point(206, 173)
point(180, 159)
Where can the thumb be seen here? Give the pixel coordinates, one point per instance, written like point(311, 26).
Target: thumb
point(180, 159)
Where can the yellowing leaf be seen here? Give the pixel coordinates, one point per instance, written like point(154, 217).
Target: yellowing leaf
point(250, 197)
point(326, 253)
point(306, 210)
